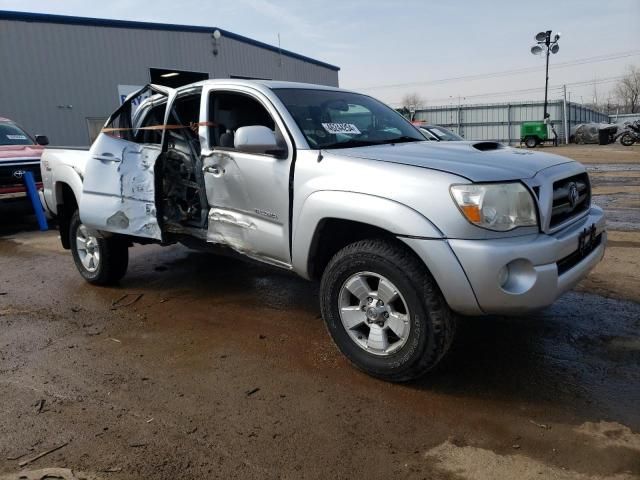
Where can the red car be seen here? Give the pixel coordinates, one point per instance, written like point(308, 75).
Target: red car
point(19, 153)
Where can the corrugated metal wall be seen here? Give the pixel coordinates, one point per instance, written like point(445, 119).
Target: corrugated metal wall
point(502, 121)
point(623, 118)
point(53, 77)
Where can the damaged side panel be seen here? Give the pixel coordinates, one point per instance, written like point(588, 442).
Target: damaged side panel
point(118, 191)
point(245, 233)
point(119, 196)
point(230, 228)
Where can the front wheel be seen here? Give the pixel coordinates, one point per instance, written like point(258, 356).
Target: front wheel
point(100, 260)
point(384, 310)
point(627, 139)
point(531, 142)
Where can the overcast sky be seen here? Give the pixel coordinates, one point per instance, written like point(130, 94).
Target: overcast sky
point(389, 48)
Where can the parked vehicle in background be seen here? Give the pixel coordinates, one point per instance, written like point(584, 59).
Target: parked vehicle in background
point(594, 133)
point(437, 133)
point(402, 233)
point(630, 134)
point(19, 153)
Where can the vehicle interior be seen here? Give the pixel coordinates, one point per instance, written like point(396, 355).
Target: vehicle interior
point(181, 198)
point(230, 111)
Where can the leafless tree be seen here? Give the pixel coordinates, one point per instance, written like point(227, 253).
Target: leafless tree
point(412, 102)
point(628, 89)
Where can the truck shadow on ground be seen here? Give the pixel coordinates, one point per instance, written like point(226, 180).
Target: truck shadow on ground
point(583, 353)
point(15, 217)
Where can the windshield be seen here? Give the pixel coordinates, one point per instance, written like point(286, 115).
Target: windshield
point(335, 119)
point(443, 134)
point(11, 134)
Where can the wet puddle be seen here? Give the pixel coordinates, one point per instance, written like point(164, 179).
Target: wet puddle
point(622, 208)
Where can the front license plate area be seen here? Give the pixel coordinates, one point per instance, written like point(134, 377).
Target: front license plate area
point(587, 241)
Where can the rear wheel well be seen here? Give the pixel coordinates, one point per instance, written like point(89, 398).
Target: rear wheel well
point(67, 205)
point(332, 235)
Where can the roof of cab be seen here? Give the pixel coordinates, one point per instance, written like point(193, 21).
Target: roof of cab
point(269, 84)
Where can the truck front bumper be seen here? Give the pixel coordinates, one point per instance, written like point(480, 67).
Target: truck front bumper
point(511, 275)
point(518, 274)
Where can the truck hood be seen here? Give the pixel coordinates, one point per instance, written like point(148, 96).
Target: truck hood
point(15, 152)
point(476, 161)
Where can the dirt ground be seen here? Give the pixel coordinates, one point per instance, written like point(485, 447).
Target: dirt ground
point(615, 175)
point(199, 367)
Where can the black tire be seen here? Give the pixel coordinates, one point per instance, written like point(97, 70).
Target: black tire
point(531, 142)
point(113, 251)
point(432, 324)
point(627, 139)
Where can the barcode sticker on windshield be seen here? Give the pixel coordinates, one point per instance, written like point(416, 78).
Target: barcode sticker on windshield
point(346, 128)
point(16, 137)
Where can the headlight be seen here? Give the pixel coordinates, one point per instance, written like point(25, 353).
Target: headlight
point(496, 206)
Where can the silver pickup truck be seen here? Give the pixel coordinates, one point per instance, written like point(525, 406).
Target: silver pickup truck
point(402, 233)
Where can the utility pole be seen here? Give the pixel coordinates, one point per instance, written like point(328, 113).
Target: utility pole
point(279, 52)
point(564, 114)
point(460, 115)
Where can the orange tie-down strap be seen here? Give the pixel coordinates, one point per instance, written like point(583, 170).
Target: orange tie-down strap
point(193, 126)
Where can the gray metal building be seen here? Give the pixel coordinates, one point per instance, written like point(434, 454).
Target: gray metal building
point(502, 121)
point(62, 76)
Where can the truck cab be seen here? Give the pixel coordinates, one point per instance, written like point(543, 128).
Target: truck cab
point(163, 167)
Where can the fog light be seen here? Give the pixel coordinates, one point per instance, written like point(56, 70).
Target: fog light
point(518, 276)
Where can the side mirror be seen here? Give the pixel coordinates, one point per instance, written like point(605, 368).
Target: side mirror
point(258, 139)
point(42, 140)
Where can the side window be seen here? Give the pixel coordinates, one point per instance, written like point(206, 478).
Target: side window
point(146, 109)
point(152, 116)
point(229, 111)
point(185, 111)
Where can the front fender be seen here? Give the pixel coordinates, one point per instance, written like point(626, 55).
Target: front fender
point(383, 213)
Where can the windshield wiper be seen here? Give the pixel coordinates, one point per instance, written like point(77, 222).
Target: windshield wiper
point(402, 139)
point(351, 144)
point(368, 143)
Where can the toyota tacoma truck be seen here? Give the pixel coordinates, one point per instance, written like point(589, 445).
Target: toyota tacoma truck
point(402, 233)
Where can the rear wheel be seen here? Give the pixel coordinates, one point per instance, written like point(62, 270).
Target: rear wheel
point(531, 142)
point(384, 311)
point(627, 140)
point(100, 260)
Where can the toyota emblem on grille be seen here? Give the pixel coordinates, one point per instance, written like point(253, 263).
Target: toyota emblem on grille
point(574, 195)
point(19, 174)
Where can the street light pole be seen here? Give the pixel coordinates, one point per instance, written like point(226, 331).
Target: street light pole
point(548, 45)
point(546, 75)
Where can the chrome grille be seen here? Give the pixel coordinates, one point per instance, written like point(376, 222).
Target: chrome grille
point(571, 197)
point(12, 174)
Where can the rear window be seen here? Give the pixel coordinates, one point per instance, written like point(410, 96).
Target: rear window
point(11, 134)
